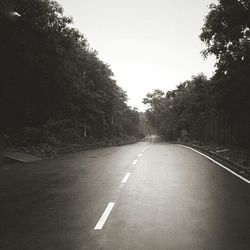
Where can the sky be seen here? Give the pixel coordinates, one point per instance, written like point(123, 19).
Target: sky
point(149, 44)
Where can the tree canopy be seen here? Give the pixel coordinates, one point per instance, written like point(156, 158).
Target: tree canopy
point(212, 110)
point(226, 32)
point(49, 73)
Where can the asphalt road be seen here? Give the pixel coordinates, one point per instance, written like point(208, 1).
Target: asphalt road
point(140, 196)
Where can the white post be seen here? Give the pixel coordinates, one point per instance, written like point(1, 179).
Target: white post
point(85, 128)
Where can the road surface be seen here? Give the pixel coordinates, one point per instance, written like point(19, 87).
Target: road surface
point(140, 196)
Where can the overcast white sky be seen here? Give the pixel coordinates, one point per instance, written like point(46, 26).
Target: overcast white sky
point(149, 44)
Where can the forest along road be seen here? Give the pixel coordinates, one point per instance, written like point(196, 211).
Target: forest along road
point(141, 196)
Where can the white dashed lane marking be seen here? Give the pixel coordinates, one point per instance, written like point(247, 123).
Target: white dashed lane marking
point(104, 216)
point(124, 180)
point(134, 162)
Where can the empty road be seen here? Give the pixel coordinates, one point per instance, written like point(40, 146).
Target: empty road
point(140, 196)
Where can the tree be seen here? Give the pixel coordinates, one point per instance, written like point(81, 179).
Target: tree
point(50, 74)
point(155, 101)
point(226, 32)
point(215, 110)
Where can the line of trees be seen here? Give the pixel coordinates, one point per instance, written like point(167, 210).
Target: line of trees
point(52, 82)
point(215, 110)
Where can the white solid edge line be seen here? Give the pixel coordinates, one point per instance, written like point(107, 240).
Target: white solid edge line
point(134, 162)
point(229, 170)
point(124, 180)
point(104, 216)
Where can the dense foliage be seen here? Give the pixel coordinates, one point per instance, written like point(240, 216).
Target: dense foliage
point(52, 82)
point(215, 110)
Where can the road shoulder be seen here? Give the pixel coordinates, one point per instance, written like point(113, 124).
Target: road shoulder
point(233, 166)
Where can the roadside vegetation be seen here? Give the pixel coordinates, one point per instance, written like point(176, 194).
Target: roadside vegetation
point(55, 93)
point(213, 111)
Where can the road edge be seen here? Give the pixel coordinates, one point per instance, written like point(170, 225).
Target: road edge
point(235, 168)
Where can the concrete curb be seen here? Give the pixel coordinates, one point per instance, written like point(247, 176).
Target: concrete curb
point(4, 156)
point(236, 167)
